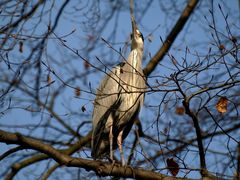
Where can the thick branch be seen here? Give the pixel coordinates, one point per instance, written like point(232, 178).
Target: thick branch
point(39, 157)
point(102, 169)
point(199, 136)
point(171, 37)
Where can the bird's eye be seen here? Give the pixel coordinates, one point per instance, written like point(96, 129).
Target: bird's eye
point(139, 35)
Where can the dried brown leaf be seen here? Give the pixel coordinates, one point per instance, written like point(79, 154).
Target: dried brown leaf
point(49, 79)
point(86, 65)
point(77, 91)
point(222, 105)
point(172, 166)
point(221, 47)
point(180, 110)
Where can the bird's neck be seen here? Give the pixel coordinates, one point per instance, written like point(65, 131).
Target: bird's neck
point(135, 59)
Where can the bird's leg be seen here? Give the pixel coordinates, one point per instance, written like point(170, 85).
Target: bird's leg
point(119, 142)
point(111, 141)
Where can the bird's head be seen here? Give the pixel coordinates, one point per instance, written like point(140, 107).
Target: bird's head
point(136, 36)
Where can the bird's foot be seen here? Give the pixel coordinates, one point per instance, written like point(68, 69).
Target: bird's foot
point(111, 160)
point(123, 162)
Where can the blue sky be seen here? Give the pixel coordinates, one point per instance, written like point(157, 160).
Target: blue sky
point(154, 24)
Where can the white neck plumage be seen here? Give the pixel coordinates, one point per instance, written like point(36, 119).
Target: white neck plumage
point(136, 59)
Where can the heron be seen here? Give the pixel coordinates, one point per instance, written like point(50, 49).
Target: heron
point(118, 101)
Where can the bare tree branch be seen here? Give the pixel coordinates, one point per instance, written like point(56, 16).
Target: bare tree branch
point(171, 37)
point(102, 169)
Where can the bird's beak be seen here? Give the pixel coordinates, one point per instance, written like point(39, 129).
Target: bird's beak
point(134, 26)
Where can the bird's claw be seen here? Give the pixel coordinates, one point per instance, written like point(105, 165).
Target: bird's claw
point(112, 161)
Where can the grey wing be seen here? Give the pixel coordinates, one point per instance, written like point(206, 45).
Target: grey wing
point(107, 99)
